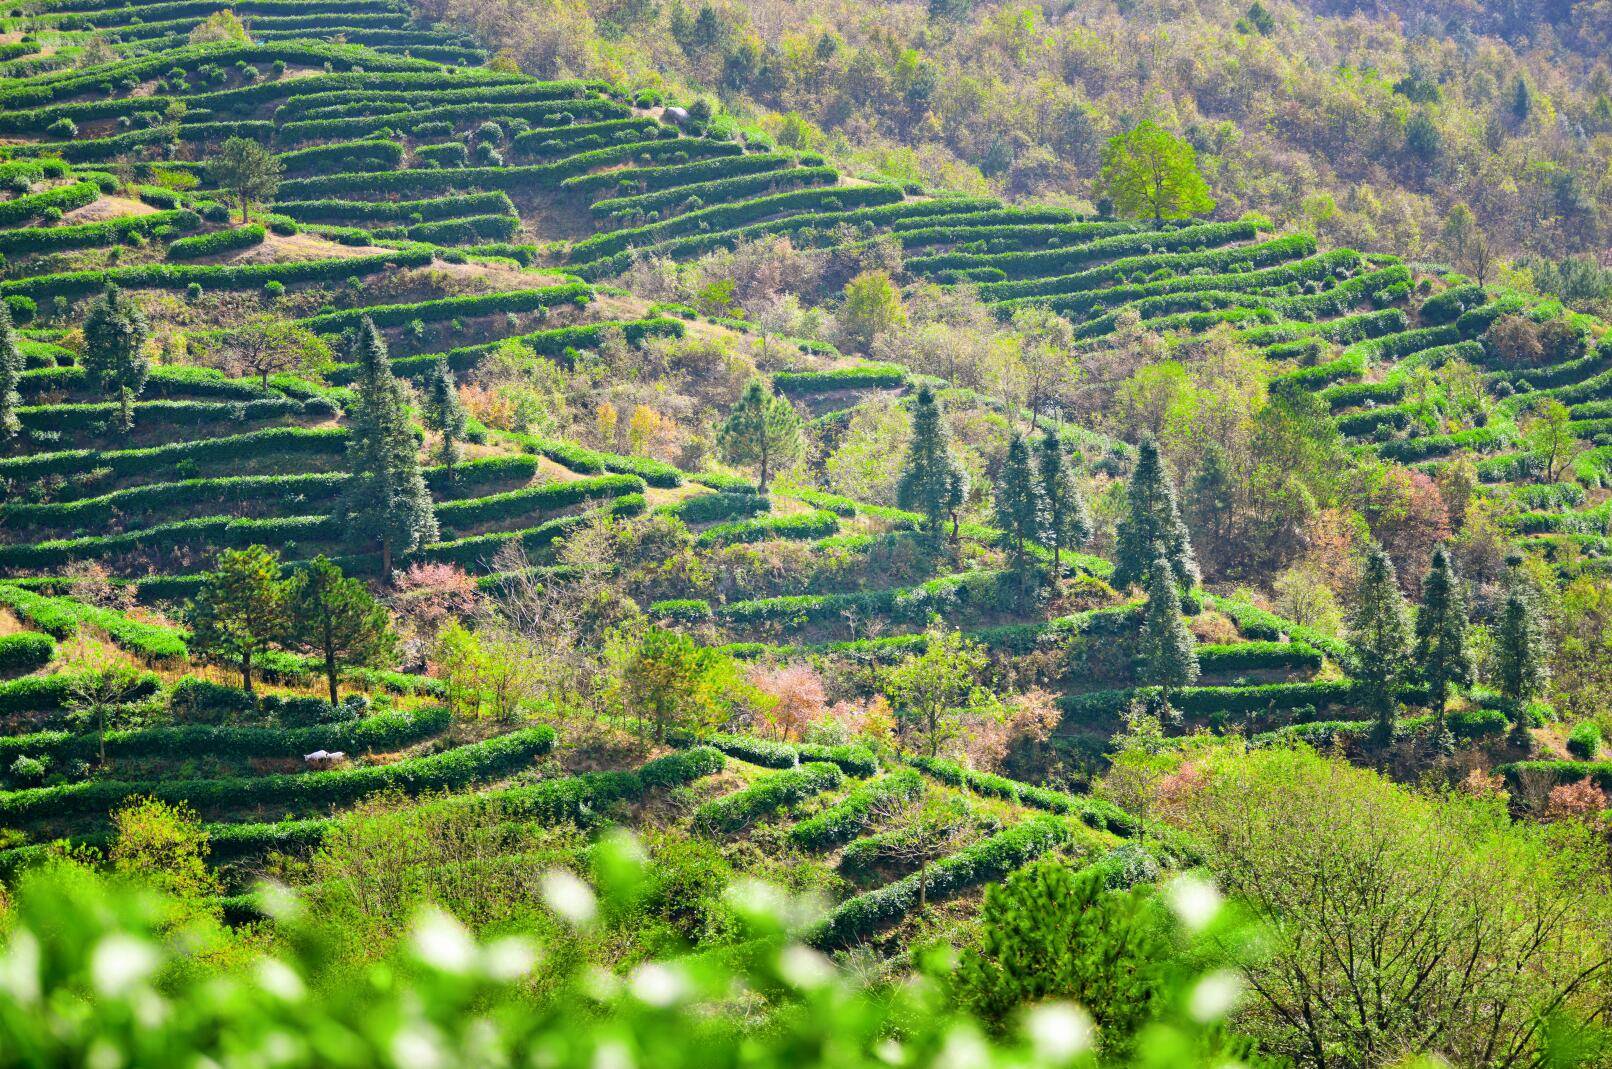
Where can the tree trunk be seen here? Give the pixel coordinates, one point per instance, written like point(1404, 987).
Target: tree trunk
point(386, 563)
point(246, 671)
point(330, 670)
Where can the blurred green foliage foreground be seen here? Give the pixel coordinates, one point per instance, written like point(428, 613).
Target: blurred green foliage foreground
point(98, 972)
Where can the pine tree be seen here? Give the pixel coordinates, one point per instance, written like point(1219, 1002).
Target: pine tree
point(444, 414)
point(1068, 521)
point(1441, 653)
point(1021, 509)
point(1379, 639)
point(933, 480)
point(1168, 656)
point(115, 335)
point(240, 610)
point(334, 618)
point(11, 366)
point(1152, 528)
point(386, 504)
point(763, 429)
point(1520, 668)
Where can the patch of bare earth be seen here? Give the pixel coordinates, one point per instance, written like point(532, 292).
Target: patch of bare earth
point(281, 248)
point(108, 208)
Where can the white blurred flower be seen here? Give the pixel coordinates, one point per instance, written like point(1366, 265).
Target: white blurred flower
point(1195, 900)
point(1215, 996)
point(120, 962)
point(443, 943)
point(417, 1047)
point(569, 897)
point(510, 958)
point(19, 968)
point(804, 967)
point(659, 985)
point(280, 980)
point(1058, 1030)
point(964, 1048)
point(613, 1055)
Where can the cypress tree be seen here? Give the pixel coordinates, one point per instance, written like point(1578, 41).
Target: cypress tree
point(1441, 652)
point(115, 335)
point(1167, 657)
point(444, 414)
point(1152, 528)
point(763, 430)
point(1379, 639)
point(1068, 521)
point(1520, 667)
point(386, 504)
point(1021, 510)
point(933, 481)
point(10, 373)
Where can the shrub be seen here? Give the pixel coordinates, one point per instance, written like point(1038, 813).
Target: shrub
point(219, 241)
point(1585, 741)
point(495, 757)
point(199, 701)
point(866, 914)
point(766, 796)
point(805, 526)
point(24, 652)
point(845, 821)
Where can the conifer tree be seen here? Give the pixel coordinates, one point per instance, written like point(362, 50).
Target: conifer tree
point(1021, 510)
point(1168, 656)
point(240, 610)
point(933, 480)
point(11, 365)
point(444, 414)
point(1068, 521)
point(1379, 639)
point(1152, 527)
point(1441, 653)
point(386, 504)
point(115, 335)
point(763, 429)
point(1520, 668)
point(334, 618)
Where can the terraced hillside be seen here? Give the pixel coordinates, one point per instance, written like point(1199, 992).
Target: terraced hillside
point(483, 222)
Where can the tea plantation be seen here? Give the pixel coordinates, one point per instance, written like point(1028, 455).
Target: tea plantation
point(454, 211)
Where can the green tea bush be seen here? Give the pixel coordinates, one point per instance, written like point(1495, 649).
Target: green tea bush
point(768, 795)
point(864, 916)
point(500, 756)
point(853, 816)
point(24, 652)
point(802, 526)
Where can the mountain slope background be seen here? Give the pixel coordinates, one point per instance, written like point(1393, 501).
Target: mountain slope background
point(1366, 123)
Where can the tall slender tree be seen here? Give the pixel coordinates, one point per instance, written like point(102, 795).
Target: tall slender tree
point(1167, 657)
point(333, 617)
point(1441, 652)
point(386, 504)
point(11, 365)
point(933, 481)
point(764, 430)
point(1520, 668)
point(115, 335)
point(1379, 639)
point(444, 413)
point(1021, 508)
point(1152, 526)
point(1068, 520)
